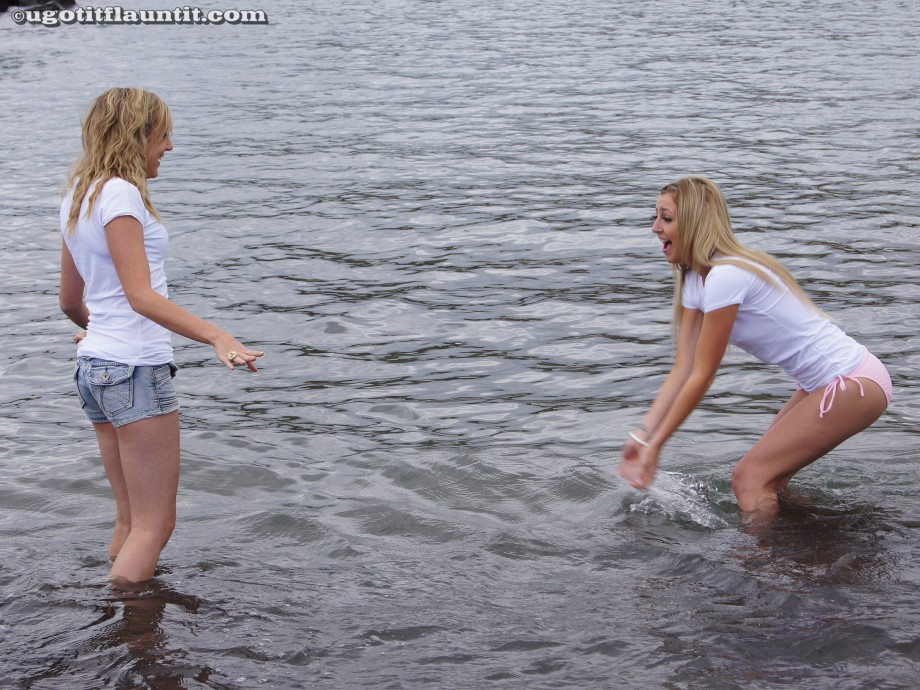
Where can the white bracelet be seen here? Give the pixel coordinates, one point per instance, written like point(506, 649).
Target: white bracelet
point(638, 440)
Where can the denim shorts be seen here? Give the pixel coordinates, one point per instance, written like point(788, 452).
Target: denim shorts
point(123, 393)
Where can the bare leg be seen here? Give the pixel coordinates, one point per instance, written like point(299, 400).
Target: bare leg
point(149, 452)
point(796, 398)
point(798, 437)
point(111, 460)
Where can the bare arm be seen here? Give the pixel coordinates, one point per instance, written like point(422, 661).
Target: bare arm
point(691, 321)
point(711, 344)
point(125, 237)
point(70, 295)
point(679, 398)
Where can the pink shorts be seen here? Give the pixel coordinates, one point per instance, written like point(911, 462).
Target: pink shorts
point(870, 368)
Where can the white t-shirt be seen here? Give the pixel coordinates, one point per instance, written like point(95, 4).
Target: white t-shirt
point(775, 326)
point(116, 332)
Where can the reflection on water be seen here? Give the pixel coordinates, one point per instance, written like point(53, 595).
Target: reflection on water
point(834, 546)
point(433, 216)
point(132, 631)
point(125, 641)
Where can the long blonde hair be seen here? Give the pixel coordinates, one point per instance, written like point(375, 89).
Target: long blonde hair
point(704, 230)
point(116, 133)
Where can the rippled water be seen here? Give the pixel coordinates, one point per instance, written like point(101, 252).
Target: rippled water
point(434, 217)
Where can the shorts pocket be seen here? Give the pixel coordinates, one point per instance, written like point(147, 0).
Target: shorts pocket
point(165, 390)
point(76, 380)
point(112, 384)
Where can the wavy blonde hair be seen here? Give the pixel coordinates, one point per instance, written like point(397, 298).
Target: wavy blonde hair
point(704, 230)
point(116, 133)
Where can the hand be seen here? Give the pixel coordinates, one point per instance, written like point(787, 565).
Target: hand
point(639, 465)
point(231, 351)
point(79, 336)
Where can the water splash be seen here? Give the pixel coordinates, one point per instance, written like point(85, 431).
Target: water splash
point(680, 498)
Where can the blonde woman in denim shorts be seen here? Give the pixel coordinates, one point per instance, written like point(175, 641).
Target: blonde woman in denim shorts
point(113, 285)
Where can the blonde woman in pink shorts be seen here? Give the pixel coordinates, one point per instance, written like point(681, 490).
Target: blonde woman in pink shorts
point(726, 293)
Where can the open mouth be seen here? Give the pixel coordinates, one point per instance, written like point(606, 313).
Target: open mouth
point(666, 245)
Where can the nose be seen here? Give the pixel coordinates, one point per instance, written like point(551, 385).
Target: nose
point(169, 146)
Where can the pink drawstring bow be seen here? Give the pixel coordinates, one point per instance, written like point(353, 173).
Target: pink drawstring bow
point(827, 400)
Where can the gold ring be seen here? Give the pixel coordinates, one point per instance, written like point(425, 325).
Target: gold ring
point(233, 354)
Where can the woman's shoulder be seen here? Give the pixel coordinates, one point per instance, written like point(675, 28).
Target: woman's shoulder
point(118, 197)
point(119, 184)
point(733, 275)
point(119, 190)
point(730, 262)
point(739, 267)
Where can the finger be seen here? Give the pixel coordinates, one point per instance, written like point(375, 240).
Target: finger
point(627, 471)
point(635, 481)
point(634, 475)
point(231, 358)
point(241, 360)
point(249, 357)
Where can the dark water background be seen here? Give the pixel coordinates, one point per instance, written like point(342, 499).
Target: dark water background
point(434, 217)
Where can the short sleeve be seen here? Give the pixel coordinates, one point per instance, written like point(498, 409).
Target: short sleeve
point(691, 294)
point(726, 285)
point(121, 198)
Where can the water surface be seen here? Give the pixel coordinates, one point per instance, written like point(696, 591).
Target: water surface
point(434, 217)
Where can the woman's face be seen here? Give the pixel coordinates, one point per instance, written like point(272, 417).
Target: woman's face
point(157, 146)
point(665, 227)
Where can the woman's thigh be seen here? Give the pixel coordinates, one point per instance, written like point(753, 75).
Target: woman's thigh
point(800, 435)
point(149, 450)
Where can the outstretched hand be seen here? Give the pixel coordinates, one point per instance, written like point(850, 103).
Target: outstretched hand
point(639, 464)
point(232, 352)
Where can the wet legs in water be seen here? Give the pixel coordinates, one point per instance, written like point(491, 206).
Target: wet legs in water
point(141, 460)
point(797, 437)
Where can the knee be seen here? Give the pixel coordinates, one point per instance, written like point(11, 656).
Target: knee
point(166, 529)
point(741, 479)
point(749, 490)
point(159, 537)
point(157, 532)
